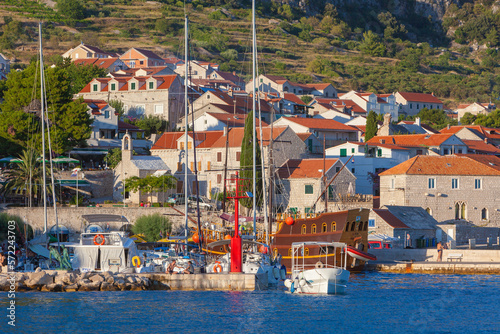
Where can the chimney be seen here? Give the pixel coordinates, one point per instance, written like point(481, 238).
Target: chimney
point(234, 73)
point(417, 121)
point(448, 126)
point(485, 140)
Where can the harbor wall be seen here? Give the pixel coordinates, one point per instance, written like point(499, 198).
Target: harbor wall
point(71, 217)
point(430, 255)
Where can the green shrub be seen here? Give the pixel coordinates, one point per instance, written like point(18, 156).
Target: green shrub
point(153, 227)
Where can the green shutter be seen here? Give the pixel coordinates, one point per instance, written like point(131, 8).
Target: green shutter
point(309, 189)
point(343, 152)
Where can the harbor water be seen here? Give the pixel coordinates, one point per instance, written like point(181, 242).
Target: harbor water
point(373, 303)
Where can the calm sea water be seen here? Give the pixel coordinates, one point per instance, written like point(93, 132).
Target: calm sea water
point(373, 303)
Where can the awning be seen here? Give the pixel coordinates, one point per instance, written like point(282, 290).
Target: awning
point(72, 183)
point(40, 250)
point(90, 151)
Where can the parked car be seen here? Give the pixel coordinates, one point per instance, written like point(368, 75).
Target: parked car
point(176, 199)
point(205, 203)
point(375, 244)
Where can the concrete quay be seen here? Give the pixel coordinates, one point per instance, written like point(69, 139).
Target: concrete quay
point(424, 261)
point(71, 281)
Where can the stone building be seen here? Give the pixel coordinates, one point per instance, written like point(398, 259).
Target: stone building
point(136, 165)
point(463, 187)
point(301, 182)
point(157, 95)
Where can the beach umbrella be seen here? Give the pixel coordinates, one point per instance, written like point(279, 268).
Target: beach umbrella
point(11, 159)
point(64, 160)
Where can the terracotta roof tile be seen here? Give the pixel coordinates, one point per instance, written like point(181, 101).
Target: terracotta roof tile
point(236, 136)
point(470, 164)
point(168, 140)
point(480, 146)
point(318, 123)
point(294, 98)
point(234, 120)
point(305, 168)
point(490, 133)
point(417, 140)
point(420, 97)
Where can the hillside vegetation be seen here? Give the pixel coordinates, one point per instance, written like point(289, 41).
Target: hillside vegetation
point(374, 47)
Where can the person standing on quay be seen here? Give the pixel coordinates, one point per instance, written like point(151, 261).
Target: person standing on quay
point(440, 252)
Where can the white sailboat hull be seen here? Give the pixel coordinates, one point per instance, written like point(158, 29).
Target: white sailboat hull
point(320, 281)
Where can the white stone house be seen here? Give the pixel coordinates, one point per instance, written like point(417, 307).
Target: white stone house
point(301, 182)
point(411, 103)
point(211, 153)
point(367, 161)
point(150, 95)
point(196, 70)
point(331, 131)
point(475, 108)
point(140, 166)
point(86, 51)
point(421, 144)
point(464, 187)
point(381, 104)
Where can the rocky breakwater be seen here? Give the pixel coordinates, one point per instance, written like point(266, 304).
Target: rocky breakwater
point(70, 281)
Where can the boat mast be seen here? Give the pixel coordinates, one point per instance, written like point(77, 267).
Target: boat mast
point(254, 46)
point(186, 110)
point(42, 103)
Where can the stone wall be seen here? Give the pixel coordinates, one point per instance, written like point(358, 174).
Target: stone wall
point(71, 217)
point(101, 182)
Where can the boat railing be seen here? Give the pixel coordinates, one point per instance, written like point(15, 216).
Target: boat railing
point(281, 217)
point(110, 238)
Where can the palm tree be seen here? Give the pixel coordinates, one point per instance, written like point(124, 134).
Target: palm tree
point(26, 178)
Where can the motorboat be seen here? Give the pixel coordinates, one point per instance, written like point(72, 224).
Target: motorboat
point(256, 260)
point(360, 255)
point(328, 275)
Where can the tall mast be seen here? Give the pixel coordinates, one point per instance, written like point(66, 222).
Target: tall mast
point(42, 103)
point(254, 47)
point(186, 111)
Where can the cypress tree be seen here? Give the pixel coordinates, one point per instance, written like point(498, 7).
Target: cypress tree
point(246, 164)
point(371, 126)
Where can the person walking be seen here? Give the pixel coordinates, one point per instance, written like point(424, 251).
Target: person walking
point(440, 252)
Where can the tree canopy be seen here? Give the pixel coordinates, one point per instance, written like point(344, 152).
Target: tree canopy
point(20, 115)
point(246, 164)
point(371, 125)
point(154, 227)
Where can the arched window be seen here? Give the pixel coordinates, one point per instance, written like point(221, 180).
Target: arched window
point(334, 226)
point(275, 252)
point(313, 228)
point(366, 226)
point(306, 252)
point(353, 226)
point(429, 211)
point(460, 210)
point(289, 252)
point(323, 228)
point(304, 229)
point(347, 226)
point(484, 214)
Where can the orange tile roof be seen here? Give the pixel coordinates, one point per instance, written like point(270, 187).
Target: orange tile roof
point(318, 85)
point(168, 140)
point(490, 133)
point(416, 140)
point(294, 98)
point(207, 138)
point(319, 123)
point(470, 164)
point(304, 136)
point(305, 168)
point(481, 146)
point(236, 136)
point(420, 97)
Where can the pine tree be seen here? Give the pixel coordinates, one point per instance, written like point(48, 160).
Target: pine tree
point(371, 126)
point(246, 164)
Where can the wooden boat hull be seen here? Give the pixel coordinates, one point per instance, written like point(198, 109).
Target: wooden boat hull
point(350, 227)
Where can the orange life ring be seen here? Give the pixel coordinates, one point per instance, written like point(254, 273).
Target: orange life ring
point(217, 267)
point(103, 240)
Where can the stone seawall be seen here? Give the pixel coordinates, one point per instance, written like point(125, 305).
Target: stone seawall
point(71, 217)
point(70, 281)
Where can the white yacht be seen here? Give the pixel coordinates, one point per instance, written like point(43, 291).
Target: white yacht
point(322, 277)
